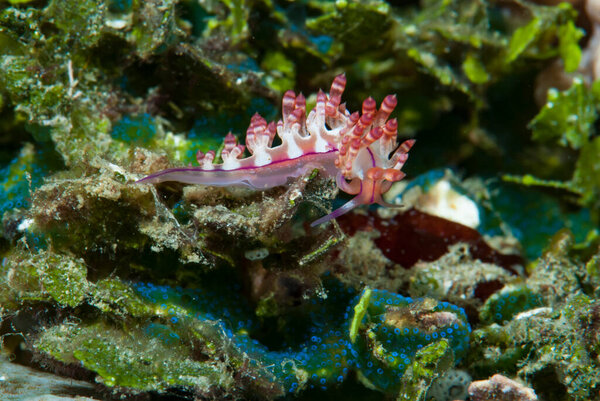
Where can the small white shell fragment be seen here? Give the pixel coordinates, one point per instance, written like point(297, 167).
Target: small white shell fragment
point(257, 254)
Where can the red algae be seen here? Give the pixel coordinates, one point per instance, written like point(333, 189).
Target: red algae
point(413, 236)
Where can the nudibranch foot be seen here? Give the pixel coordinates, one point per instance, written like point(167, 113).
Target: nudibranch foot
point(359, 149)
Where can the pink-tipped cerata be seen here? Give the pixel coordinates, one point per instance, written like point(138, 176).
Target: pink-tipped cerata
point(359, 149)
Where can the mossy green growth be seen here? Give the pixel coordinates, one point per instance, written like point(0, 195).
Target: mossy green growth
point(522, 38)
point(98, 212)
point(155, 26)
point(43, 276)
point(436, 67)
point(64, 278)
point(533, 37)
point(232, 23)
point(319, 251)
point(354, 23)
point(568, 116)
point(494, 337)
point(568, 44)
point(128, 357)
point(360, 309)
point(282, 71)
point(464, 46)
point(82, 19)
point(475, 70)
point(430, 362)
point(21, 79)
point(568, 119)
point(592, 268)
point(586, 178)
point(21, 27)
point(111, 295)
point(549, 341)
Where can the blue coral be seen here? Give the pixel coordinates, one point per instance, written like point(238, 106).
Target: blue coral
point(389, 329)
point(120, 6)
point(511, 300)
point(21, 177)
point(533, 216)
point(136, 129)
point(22, 174)
point(327, 350)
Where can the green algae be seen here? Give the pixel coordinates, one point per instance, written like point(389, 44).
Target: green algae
point(282, 71)
point(359, 313)
point(549, 342)
point(116, 297)
point(65, 281)
point(61, 278)
point(585, 177)
point(82, 19)
point(475, 70)
point(430, 363)
point(567, 117)
point(123, 362)
point(352, 23)
point(554, 342)
point(21, 78)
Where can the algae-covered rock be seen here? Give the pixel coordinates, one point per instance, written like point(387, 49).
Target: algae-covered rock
point(43, 276)
point(396, 337)
point(453, 384)
point(129, 359)
point(459, 279)
point(500, 388)
point(430, 363)
point(545, 347)
point(503, 305)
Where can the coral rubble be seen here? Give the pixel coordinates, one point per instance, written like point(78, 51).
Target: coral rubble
point(499, 387)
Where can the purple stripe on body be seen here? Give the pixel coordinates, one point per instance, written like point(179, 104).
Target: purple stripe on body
point(248, 168)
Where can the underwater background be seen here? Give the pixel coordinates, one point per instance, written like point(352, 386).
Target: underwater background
point(484, 285)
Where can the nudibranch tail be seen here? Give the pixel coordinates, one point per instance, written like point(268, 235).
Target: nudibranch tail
point(360, 149)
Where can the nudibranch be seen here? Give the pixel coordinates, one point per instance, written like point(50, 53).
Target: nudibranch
point(359, 149)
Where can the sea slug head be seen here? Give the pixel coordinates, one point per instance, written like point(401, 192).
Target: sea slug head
point(369, 158)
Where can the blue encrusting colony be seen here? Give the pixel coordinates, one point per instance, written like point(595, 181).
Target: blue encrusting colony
point(374, 332)
point(23, 175)
point(511, 300)
point(20, 178)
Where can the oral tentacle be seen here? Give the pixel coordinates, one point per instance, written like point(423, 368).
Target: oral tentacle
point(348, 206)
